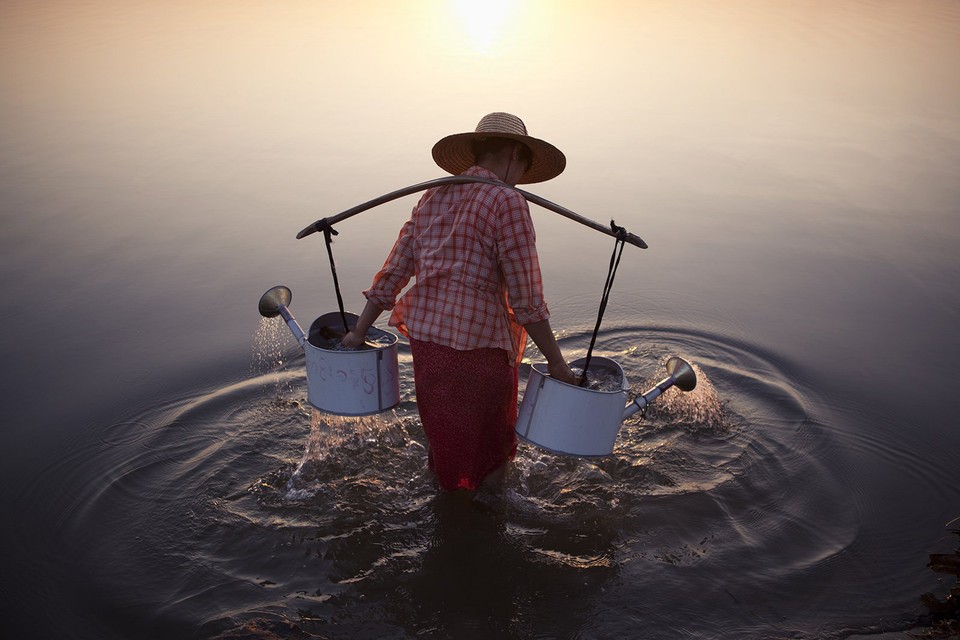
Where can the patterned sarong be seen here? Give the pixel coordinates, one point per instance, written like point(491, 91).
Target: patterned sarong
point(468, 406)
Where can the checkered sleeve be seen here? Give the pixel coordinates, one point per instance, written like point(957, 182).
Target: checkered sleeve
point(396, 272)
point(517, 257)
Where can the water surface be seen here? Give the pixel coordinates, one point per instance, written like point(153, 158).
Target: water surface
point(794, 167)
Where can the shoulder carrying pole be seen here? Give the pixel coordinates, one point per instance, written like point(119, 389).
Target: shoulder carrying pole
point(319, 225)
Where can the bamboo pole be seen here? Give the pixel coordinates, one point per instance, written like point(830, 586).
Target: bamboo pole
point(629, 238)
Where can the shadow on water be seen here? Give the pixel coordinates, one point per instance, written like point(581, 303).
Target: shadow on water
point(243, 513)
point(405, 559)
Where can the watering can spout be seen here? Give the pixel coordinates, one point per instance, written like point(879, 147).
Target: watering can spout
point(274, 303)
point(679, 374)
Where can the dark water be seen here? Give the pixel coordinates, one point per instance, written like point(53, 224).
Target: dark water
point(795, 168)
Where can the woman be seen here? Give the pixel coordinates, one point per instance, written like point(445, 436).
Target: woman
point(478, 293)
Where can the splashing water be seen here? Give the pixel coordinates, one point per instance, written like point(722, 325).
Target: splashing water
point(268, 353)
point(267, 346)
point(699, 409)
point(350, 450)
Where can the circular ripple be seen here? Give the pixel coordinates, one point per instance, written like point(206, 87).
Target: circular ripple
point(242, 499)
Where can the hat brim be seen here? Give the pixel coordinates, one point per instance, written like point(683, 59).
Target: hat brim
point(454, 154)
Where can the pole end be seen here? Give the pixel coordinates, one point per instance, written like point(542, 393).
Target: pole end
point(636, 241)
point(306, 231)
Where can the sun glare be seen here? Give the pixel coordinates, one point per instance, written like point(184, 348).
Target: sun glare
point(483, 20)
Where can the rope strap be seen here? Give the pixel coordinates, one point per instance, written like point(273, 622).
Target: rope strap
point(621, 235)
point(328, 233)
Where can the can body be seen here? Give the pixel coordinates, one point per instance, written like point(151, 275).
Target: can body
point(351, 383)
point(571, 420)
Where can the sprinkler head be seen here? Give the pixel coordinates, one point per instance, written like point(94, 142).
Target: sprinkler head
point(682, 373)
point(273, 300)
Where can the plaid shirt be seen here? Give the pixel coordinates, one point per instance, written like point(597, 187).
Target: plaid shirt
point(472, 250)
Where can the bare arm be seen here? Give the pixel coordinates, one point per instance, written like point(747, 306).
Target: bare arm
point(392, 277)
point(542, 335)
point(367, 317)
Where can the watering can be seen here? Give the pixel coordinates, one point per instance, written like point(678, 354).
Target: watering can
point(343, 382)
point(581, 421)
point(553, 415)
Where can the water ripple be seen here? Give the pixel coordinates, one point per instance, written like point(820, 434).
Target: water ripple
point(243, 505)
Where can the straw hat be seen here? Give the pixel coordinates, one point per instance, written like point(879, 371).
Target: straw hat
point(454, 153)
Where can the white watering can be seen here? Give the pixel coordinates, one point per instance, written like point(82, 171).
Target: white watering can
point(344, 382)
point(573, 420)
point(554, 415)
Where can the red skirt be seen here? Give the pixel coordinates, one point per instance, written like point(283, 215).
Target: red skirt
point(468, 406)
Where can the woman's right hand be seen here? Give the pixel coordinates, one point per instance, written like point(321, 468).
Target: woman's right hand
point(543, 337)
point(562, 372)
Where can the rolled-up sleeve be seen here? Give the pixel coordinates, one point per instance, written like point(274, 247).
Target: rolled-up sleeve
point(396, 272)
point(519, 264)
